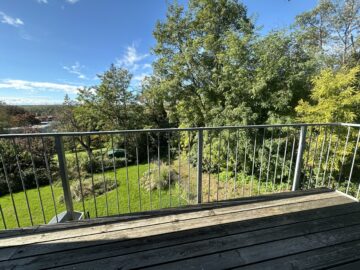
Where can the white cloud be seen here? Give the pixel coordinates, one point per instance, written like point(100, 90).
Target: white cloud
point(147, 65)
point(140, 77)
point(72, 1)
point(38, 86)
point(29, 101)
point(68, 1)
point(76, 69)
point(133, 61)
point(131, 58)
point(10, 20)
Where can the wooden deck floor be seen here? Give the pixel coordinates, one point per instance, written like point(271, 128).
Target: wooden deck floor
point(300, 230)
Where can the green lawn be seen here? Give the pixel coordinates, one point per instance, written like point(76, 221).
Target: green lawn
point(134, 199)
point(80, 153)
point(211, 190)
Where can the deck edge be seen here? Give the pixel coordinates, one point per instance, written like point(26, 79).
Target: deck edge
point(347, 195)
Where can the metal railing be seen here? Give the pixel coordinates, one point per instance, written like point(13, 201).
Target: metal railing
point(108, 173)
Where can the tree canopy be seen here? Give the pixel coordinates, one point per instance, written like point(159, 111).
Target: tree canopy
point(212, 68)
point(334, 98)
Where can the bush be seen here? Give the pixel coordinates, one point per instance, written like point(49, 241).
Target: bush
point(95, 165)
point(151, 179)
point(8, 154)
point(100, 187)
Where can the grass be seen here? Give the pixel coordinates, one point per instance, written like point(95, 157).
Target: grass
point(127, 203)
point(222, 188)
point(80, 154)
point(185, 193)
point(179, 196)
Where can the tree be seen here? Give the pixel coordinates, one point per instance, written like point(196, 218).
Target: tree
point(79, 118)
point(153, 100)
point(212, 69)
point(107, 106)
point(332, 28)
point(345, 20)
point(15, 116)
point(24, 119)
point(314, 26)
point(28, 150)
point(190, 48)
point(112, 101)
point(335, 97)
point(267, 88)
point(4, 117)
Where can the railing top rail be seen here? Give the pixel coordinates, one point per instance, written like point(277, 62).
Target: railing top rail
point(350, 125)
point(87, 133)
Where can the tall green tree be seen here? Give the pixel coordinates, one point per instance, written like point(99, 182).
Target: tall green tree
point(112, 101)
point(281, 75)
point(335, 97)
point(152, 99)
point(314, 28)
point(110, 105)
point(212, 68)
point(190, 48)
point(75, 117)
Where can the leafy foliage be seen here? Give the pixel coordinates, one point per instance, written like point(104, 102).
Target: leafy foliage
point(111, 101)
point(219, 72)
point(22, 153)
point(158, 177)
point(334, 98)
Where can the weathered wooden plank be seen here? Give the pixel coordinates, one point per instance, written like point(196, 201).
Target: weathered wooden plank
point(152, 255)
point(197, 222)
point(160, 212)
point(232, 257)
point(82, 241)
point(87, 231)
point(355, 265)
point(334, 257)
point(126, 247)
point(181, 236)
point(18, 231)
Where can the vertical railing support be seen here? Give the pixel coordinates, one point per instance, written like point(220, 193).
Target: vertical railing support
point(299, 157)
point(199, 165)
point(59, 147)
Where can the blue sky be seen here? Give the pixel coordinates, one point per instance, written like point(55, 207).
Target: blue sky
point(51, 47)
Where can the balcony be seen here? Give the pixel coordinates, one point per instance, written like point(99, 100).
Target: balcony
point(259, 197)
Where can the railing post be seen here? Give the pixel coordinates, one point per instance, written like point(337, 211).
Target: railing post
point(59, 147)
point(199, 165)
point(299, 157)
